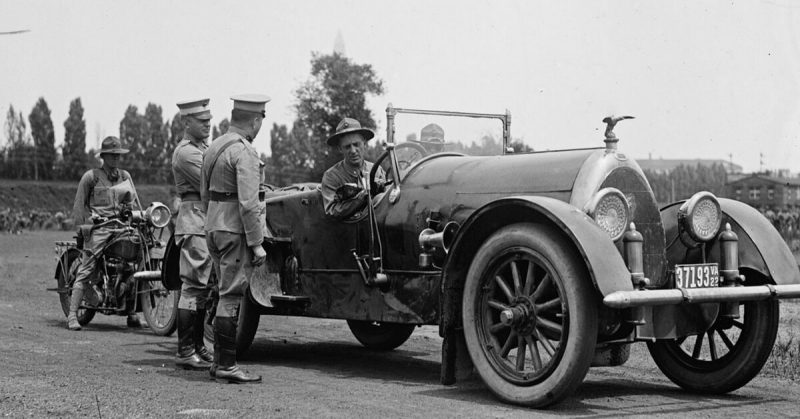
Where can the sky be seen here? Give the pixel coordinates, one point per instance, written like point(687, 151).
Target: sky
point(704, 79)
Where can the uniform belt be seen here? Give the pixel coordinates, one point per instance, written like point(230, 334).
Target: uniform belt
point(190, 196)
point(223, 196)
point(230, 196)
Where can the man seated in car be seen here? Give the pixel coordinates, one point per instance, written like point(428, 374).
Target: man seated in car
point(345, 184)
point(431, 138)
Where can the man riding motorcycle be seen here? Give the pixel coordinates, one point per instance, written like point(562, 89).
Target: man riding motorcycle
point(101, 193)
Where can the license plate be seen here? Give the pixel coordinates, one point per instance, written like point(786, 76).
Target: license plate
point(702, 275)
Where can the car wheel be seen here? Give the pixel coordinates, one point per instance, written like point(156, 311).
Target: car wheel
point(529, 315)
point(727, 356)
point(249, 317)
point(379, 335)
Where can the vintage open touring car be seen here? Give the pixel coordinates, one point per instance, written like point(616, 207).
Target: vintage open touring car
point(535, 266)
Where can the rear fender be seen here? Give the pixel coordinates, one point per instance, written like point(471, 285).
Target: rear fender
point(761, 247)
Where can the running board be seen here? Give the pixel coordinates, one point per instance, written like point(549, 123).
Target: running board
point(289, 299)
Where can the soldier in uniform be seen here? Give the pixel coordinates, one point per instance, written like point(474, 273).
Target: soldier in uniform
point(431, 138)
point(231, 175)
point(101, 193)
point(350, 139)
point(195, 262)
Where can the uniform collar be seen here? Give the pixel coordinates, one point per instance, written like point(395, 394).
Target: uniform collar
point(195, 141)
point(241, 132)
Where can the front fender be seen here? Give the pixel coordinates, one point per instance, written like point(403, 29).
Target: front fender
point(603, 260)
point(761, 247)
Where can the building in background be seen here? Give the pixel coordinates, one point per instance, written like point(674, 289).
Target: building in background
point(760, 190)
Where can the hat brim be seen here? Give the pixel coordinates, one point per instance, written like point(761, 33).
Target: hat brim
point(333, 140)
point(113, 151)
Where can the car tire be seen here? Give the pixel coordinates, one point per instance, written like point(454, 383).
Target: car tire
point(380, 336)
point(533, 272)
point(249, 317)
point(740, 349)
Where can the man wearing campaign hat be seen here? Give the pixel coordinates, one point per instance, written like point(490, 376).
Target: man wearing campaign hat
point(350, 139)
point(432, 138)
point(195, 261)
point(101, 193)
point(230, 179)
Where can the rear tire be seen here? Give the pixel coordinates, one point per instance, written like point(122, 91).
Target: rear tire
point(65, 277)
point(380, 336)
point(249, 316)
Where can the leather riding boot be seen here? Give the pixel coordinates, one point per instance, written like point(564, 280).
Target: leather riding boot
point(186, 356)
point(199, 334)
point(227, 369)
point(74, 304)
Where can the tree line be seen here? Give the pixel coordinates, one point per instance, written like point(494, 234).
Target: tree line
point(336, 87)
point(683, 181)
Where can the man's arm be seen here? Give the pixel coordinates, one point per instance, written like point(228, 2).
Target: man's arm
point(80, 208)
point(333, 206)
point(248, 177)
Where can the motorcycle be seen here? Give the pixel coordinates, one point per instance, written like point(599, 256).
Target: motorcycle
point(128, 269)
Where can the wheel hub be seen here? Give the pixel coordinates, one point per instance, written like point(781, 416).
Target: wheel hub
point(521, 316)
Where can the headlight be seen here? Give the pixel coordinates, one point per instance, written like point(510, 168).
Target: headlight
point(158, 214)
point(610, 211)
point(701, 216)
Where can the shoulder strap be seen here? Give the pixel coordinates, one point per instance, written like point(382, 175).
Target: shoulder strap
point(213, 163)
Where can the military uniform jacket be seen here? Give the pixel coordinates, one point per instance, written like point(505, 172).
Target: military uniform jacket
point(339, 174)
point(187, 163)
point(237, 170)
point(100, 192)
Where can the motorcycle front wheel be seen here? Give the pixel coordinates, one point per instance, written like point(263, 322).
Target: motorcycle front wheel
point(160, 306)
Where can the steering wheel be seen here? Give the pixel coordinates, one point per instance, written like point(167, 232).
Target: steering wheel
point(408, 154)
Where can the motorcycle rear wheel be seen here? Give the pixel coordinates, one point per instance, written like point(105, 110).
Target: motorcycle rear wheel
point(159, 305)
point(65, 277)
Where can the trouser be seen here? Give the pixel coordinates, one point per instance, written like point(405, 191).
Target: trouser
point(92, 246)
point(233, 265)
point(195, 270)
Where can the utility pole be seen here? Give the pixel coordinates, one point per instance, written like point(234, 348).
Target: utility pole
point(761, 162)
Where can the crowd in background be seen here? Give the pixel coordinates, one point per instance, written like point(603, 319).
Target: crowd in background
point(787, 222)
point(16, 221)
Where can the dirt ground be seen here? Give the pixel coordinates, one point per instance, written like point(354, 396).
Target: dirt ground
point(311, 368)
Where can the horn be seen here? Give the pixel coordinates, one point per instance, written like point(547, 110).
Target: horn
point(430, 239)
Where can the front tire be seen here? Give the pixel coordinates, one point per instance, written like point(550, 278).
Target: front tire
point(529, 316)
point(727, 356)
point(380, 336)
point(160, 307)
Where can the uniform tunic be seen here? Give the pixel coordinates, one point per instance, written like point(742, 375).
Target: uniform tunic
point(100, 193)
point(338, 175)
point(195, 261)
point(233, 225)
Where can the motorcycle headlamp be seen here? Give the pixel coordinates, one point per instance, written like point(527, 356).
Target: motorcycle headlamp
point(610, 211)
point(158, 214)
point(701, 216)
